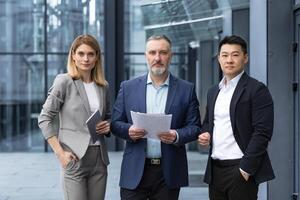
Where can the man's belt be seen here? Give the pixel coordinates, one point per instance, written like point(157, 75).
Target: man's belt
point(153, 161)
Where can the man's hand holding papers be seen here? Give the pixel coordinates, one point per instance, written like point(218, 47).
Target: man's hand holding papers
point(155, 126)
point(136, 133)
point(168, 137)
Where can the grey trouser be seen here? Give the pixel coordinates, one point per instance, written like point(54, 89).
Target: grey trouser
point(85, 179)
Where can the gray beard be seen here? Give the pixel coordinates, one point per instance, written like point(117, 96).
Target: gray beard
point(158, 71)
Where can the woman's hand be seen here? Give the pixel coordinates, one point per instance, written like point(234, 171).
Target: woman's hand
point(103, 127)
point(65, 157)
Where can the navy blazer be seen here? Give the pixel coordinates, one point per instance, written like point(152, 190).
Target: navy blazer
point(182, 103)
point(251, 116)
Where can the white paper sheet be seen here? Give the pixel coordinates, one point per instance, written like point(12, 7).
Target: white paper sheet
point(152, 123)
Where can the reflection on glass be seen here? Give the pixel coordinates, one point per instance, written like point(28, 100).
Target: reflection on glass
point(21, 91)
point(187, 21)
point(67, 19)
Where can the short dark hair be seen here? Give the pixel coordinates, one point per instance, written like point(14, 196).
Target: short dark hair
point(159, 37)
point(234, 39)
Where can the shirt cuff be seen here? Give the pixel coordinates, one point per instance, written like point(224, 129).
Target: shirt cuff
point(177, 138)
point(245, 172)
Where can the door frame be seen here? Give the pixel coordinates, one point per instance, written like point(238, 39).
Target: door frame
point(296, 103)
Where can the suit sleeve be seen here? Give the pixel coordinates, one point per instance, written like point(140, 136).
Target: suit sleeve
point(262, 113)
point(52, 106)
point(191, 129)
point(205, 124)
point(107, 104)
point(119, 123)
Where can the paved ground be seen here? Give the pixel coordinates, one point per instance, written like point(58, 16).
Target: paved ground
point(35, 176)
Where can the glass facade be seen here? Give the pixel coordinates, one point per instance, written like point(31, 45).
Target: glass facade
point(31, 57)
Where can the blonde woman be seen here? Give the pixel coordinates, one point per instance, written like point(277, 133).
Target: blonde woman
point(74, 96)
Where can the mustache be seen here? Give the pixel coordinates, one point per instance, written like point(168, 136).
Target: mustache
point(157, 63)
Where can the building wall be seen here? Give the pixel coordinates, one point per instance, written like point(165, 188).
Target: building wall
point(280, 75)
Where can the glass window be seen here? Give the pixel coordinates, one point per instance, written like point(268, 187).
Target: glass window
point(21, 91)
point(67, 19)
point(21, 26)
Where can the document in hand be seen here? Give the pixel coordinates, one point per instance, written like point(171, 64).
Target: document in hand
point(152, 123)
point(91, 123)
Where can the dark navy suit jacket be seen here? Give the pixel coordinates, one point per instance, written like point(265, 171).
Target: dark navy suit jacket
point(251, 116)
point(182, 103)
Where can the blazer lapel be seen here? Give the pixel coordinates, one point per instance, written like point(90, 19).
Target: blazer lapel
point(236, 96)
point(101, 98)
point(141, 93)
point(171, 93)
point(80, 87)
point(211, 110)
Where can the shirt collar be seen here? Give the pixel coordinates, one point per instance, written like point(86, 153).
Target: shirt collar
point(166, 83)
point(233, 82)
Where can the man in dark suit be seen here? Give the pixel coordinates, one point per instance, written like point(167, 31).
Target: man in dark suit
point(238, 127)
point(156, 169)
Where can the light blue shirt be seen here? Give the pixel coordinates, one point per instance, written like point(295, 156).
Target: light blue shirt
point(156, 99)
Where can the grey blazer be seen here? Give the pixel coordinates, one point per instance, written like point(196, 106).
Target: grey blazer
point(68, 98)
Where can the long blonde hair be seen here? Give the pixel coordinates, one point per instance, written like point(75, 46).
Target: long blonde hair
point(97, 73)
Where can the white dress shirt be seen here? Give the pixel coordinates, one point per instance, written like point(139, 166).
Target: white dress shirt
point(90, 90)
point(156, 99)
point(224, 144)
